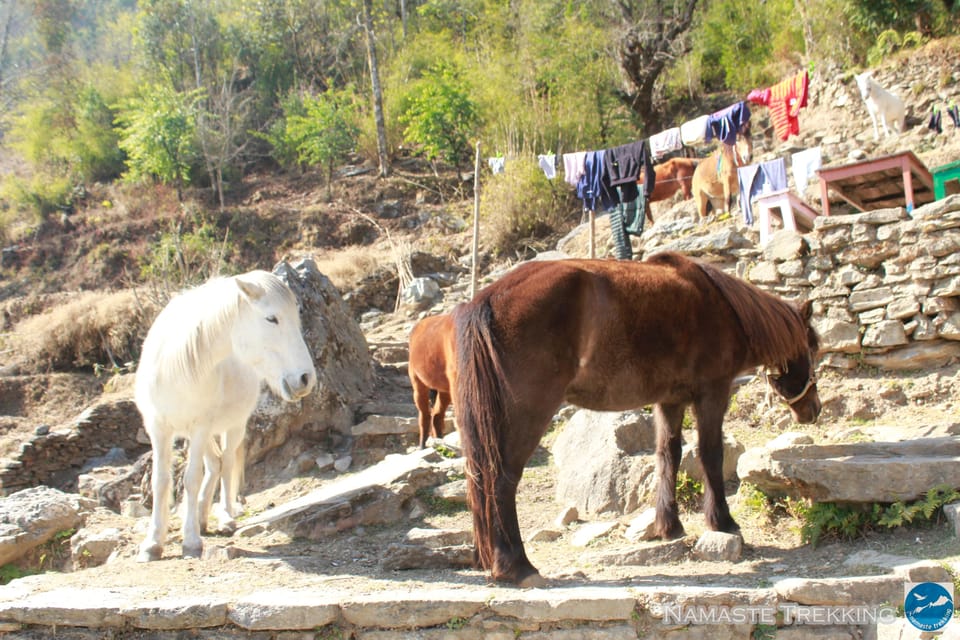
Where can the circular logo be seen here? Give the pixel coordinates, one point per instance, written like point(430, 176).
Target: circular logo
point(928, 606)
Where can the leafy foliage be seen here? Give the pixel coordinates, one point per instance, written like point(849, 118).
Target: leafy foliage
point(520, 206)
point(827, 519)
point(326, 131)
point(440, 115)
point(186, 257)
point(689, 492)
point(157, 133)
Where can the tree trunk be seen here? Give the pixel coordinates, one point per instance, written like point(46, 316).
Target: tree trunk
point(377, 91)
point(647, 45)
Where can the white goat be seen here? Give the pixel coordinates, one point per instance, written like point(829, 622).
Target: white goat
point(882, 103)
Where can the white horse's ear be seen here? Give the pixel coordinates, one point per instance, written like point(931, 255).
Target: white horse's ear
point(251, 290)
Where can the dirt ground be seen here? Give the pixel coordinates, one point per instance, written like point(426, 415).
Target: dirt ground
point(349, 562)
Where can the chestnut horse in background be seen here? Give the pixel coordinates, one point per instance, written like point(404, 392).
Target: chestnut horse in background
point(432, 369)
point(716, 175)
point(673, 175)
point(611, 335)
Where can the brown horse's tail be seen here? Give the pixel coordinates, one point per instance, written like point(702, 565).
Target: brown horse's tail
point(480, 412)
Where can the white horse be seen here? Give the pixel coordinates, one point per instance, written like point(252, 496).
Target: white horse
point(199, 377)
point(881, 103)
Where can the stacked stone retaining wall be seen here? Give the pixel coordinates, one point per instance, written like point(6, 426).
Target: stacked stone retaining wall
point(885, 284)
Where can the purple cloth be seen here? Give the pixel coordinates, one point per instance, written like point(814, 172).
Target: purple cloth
point(725, 124)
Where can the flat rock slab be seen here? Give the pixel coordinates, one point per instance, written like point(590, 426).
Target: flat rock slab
point(859, 472)
point(370, 486)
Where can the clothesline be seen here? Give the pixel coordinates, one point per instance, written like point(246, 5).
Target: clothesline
point(784, 101)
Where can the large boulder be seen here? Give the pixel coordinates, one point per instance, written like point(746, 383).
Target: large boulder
point(858, 472)
point(601, 466)
point(606, 463)
point(33, 516)
point(345, 369)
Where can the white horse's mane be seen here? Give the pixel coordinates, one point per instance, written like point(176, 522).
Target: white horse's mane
point(195, 318)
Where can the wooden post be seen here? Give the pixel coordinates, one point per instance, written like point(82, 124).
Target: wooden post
point(593, 217)
point(476, 223)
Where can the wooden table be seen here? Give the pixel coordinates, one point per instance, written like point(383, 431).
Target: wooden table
point(898, 180)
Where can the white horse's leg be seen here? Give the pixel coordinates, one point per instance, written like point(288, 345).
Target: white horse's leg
point(162, 485)
point(192, 476)
point(211, 475)
point(873, 118)
point(232, 461)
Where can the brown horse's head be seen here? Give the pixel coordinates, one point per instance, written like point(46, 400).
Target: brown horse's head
point(796, 383)
point(743, 149)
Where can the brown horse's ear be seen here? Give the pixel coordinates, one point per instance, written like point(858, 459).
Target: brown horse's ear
point(806, 311)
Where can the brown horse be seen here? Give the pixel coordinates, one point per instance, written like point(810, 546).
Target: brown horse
point(673, 175)
point(432, 367)
point(613, 335)
point(716, 175)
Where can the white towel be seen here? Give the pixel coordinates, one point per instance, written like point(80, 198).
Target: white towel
point(573, 167)
point(664, 142)
point(805, 165)
point(694, 131)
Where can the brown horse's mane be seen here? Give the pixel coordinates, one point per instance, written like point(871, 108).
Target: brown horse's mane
point(775, 331)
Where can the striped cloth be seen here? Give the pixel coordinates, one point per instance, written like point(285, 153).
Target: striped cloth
point(784, 100)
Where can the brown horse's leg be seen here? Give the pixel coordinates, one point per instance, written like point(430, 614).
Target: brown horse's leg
point(709, 411)
point(668, 420)
point(440, 413)
point(421, 398)
point(510, 562)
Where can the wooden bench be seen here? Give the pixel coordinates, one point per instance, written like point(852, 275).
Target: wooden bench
point(787, 206)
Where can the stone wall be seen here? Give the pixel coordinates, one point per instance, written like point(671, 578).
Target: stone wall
point(885, 284)
point(56, 456)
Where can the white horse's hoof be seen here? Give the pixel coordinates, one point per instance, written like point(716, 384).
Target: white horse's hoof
point(193, 552)
point(226, 527)
point(150, 554)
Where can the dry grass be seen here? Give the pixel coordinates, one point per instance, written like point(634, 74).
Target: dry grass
point(347, 267)
point(90, 329)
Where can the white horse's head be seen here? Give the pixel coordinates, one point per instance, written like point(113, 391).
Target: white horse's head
point(865, 84)
point(268, 336)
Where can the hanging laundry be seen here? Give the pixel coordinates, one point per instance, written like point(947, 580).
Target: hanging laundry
point(954, 113)
point(724, 125)
point(694, 131)
point(664, 142)
point(546, 162)
point(934, 124)
point(805, 165)
point(591, 188)
point(624, 163)
point(573, 167)
point(784, 100)
point(760, 178)
point(496, 164)
point(626, 219)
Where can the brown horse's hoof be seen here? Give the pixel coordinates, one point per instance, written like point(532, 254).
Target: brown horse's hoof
point(533, 581)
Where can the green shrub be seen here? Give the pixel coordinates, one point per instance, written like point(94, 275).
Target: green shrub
point(520, 206)
point(186, 257)
point(827, 519)
point(440, 115)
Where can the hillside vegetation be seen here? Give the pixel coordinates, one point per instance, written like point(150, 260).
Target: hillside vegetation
point(103, 102)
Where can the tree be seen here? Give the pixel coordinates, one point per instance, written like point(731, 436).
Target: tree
point(377, 91)
point(439, 115)
point(326, 132)
point(222, 131)
point(157, 132)
point(651, 38)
